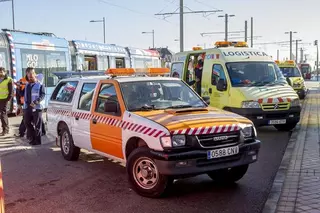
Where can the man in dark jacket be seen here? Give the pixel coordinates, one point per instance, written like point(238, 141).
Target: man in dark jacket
point(6, 94)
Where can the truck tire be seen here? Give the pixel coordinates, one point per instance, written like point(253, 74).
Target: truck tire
point(143, 174)
point(230, 175)
point(285, 127)
point(69, 151)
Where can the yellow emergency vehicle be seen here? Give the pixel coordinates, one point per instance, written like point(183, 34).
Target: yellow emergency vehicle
point(242, 80)
point(294, 77)
point(157, 126)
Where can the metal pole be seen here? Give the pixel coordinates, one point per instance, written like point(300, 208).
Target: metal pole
point(226, 27)
point(317, 61)
point(278, 54)
point(290, 45)
point(246, 31)
point(13, 22)
point(251, 31)
point(181, 26)
point(104, 29)
point(297, 41)
point(301, 55)
point(153, 39)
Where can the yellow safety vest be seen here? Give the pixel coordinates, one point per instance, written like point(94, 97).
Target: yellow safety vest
point(4, 91)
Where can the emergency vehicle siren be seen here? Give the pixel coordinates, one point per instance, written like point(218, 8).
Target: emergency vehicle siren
point(231, 44)
point(196, 48)
point(114, 72)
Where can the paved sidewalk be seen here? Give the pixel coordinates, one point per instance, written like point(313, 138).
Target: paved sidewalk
point(296, 186)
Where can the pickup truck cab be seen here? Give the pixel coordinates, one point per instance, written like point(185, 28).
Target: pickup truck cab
point(157, 126)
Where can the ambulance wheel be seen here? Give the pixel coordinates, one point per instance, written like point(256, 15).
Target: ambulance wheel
point(302, 96)
point(144, 176)
point(285, 127)
point(69, 151)
point(229, 175)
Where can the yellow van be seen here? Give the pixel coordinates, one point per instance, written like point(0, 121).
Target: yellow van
point(242, 80)
point(294, 77)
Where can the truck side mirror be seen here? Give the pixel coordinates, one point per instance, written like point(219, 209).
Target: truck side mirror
point(206, 99)
point(222, 85)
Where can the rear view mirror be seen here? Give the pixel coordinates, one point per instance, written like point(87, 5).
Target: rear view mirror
point(222, 85)
point(206, 99)
point(111, 107)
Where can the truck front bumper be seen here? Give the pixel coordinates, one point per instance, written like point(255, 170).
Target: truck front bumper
point(196, 162)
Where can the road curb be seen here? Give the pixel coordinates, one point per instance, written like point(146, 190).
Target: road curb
point(277, 186)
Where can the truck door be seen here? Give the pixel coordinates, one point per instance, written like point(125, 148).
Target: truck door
point(105, 130)
point(218, 97)
point(81, 119)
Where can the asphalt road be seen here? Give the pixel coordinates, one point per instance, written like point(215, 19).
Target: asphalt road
point(40, 180)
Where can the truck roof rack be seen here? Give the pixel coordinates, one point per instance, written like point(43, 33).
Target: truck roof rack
point(69, 74)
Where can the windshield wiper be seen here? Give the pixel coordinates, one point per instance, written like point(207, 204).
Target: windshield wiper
point(144, 108)
point(179, 107)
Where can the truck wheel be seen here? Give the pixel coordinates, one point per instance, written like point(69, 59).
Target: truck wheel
point(144, 176)
point(230, 175)
point(69, 151)
point(285, 127)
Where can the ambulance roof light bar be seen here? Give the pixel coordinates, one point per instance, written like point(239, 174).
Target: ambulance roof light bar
point(114, 72)
point(231, 44)
point(196, 48)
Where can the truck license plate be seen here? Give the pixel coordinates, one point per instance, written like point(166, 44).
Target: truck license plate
point(223, 152)
point(272, 122)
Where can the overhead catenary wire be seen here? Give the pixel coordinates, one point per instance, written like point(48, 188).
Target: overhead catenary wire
point(134, 11)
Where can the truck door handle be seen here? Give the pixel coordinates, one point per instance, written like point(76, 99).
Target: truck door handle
point(210, 90)
point(77, 118)
point(94, 121)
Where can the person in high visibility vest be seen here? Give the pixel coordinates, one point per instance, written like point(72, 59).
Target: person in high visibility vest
point(34, 95)
point(20, 87)
point(6, 94)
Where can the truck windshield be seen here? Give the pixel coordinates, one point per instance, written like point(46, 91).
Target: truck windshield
point(157, 95)
point(290, 72)
point(248, 74)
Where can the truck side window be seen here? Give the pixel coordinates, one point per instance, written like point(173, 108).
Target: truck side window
point(86, 95)
point(217, 74)
point(177, 70)
point(107, 93)
point(64, 91)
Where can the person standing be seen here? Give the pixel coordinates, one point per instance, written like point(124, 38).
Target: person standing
point(34, 95)
point(6, 94)
point(20, 99)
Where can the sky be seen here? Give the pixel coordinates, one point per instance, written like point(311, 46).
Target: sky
point(127, 19)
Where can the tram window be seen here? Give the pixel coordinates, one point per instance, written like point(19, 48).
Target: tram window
point(120, 63)
point(103, 62)
point(35, 59)
point(91, 62)
point(3, 61)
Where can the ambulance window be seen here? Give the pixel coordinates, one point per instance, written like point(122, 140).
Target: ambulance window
point(217, 74)
point(177, 70)
point(64, 91)
point(107, 93)
point(86, 95)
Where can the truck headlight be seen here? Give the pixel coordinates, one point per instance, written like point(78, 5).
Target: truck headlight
point(247, 131)
point(174, 141)
point(250, 104)
point(296, 85)
point(295, 102)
